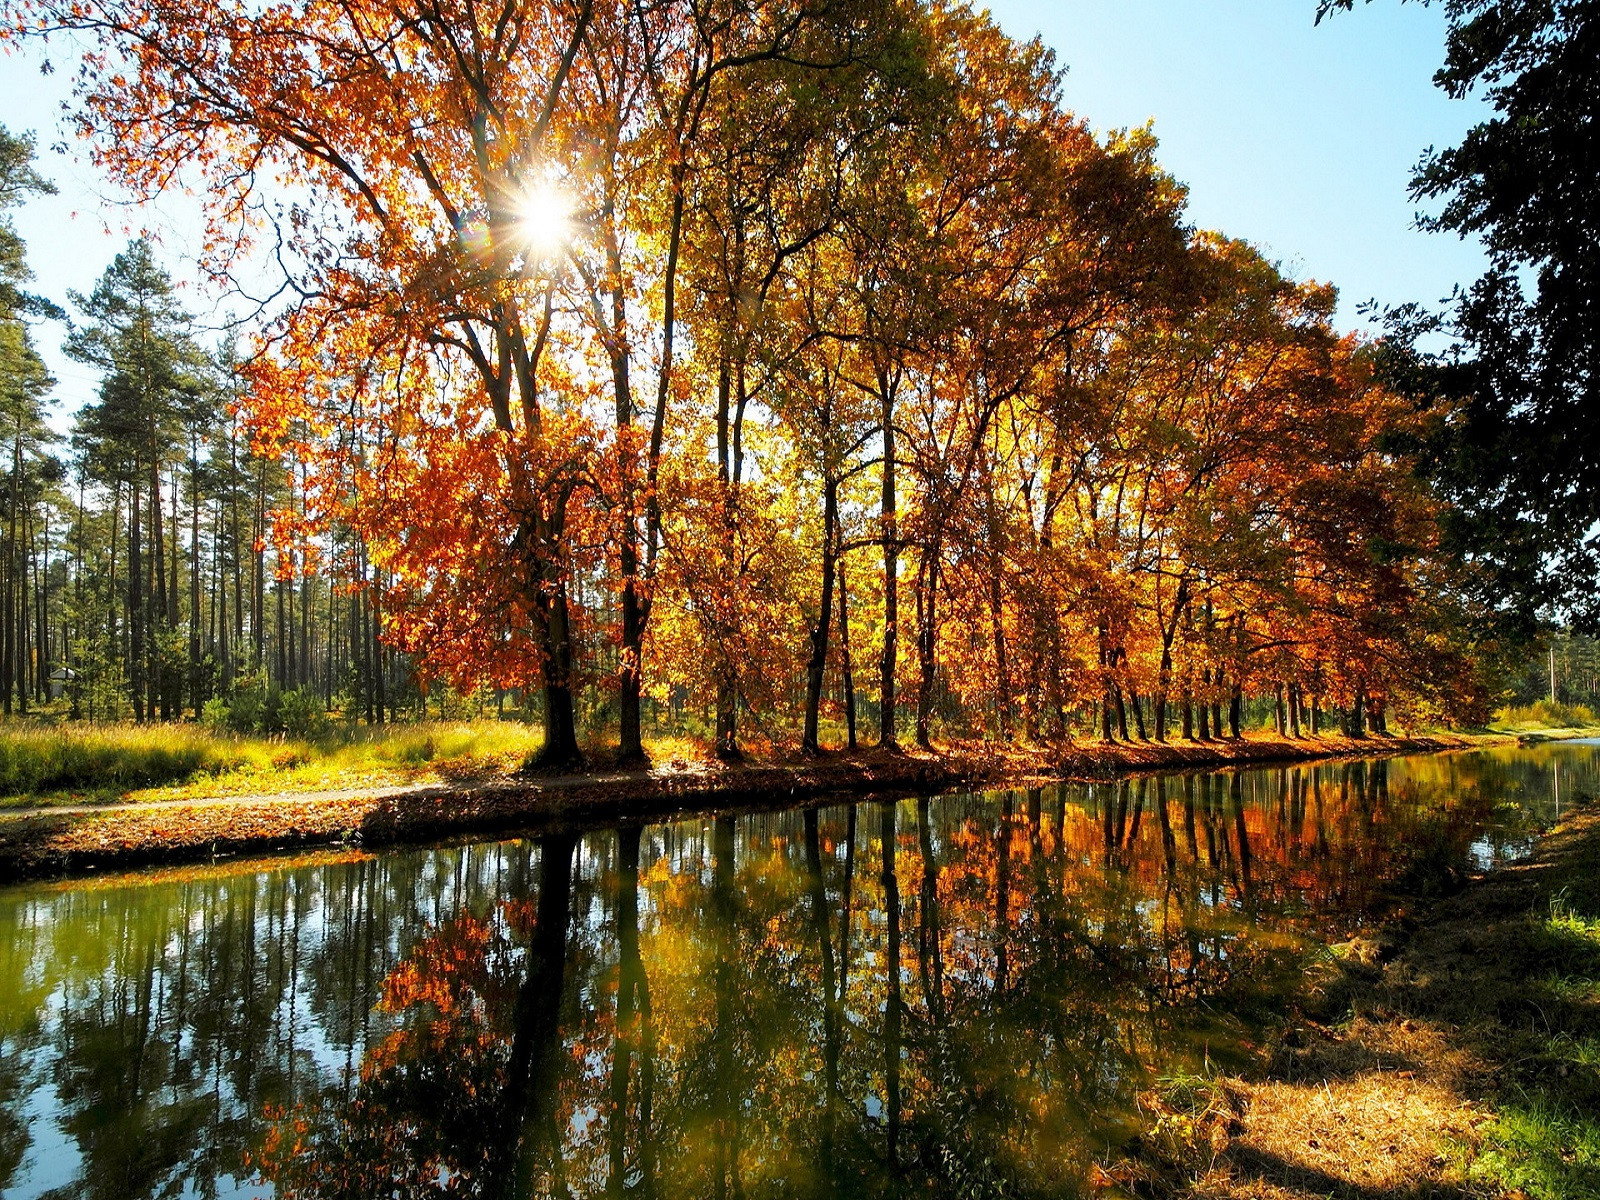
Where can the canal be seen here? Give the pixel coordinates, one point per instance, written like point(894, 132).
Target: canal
point(961, 994)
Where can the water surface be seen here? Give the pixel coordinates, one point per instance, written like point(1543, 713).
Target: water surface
point(960, 994)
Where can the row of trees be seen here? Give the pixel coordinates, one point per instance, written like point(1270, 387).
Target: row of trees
point(696, 353)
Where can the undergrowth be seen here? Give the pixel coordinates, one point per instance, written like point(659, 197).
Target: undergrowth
point(1546, 714)
point(76, 763)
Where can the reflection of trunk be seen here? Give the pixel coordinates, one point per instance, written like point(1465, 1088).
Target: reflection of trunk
point(1320, 814)
point(930, 962)
point(892, 1003)
point(728, 1129)
point(1209, 812)
point(844, 902)
point(635, 1029)
point(527, 1123)
point(1002, 898)
point(930, 954)
point(1169, 844)
point(830, 998)
point(1245, 857)
point(1188, 818)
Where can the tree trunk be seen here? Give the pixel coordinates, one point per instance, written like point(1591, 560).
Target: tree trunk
point(136, 631)
point(194, 577)
point(727, 738)
point(891, 577)
point(818, 662)
point(560, 749)
point(844, 648)
point(927, 639)
point(8, 594)
point(157, 600)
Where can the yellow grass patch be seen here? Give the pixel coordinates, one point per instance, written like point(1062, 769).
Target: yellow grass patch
point(1382, 1131)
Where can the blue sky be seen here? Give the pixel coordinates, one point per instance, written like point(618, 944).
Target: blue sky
point(1300, 138)
point(1296, 137)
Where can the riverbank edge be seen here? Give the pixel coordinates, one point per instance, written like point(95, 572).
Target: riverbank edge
point(1446, 1051)
point(58, 844)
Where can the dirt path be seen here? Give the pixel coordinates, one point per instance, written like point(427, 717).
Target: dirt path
point(63, 840)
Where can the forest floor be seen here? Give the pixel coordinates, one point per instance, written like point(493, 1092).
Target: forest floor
point(1455, 1052)
point(66, 834)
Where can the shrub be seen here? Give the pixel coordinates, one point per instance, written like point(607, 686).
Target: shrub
point(300, 714)
point(1546, 714)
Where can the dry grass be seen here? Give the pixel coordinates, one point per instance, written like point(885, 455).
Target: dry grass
point(1381, 1131)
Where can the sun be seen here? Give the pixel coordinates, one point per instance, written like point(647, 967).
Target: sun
point(544, 219)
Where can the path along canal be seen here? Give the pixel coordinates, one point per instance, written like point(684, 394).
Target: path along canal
point(953, 995)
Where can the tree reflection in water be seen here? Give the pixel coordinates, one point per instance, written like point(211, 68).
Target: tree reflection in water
point(739, 1007)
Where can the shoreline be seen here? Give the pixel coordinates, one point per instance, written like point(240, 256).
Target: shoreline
point(1447, 1052)
point(65, 841)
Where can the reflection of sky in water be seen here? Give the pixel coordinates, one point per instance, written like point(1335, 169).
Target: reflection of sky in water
point(149, 1025)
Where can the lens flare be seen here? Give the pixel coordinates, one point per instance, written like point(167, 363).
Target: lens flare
point(544, 219)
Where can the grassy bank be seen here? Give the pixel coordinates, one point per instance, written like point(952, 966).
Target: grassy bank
point(43, 765)
point(77, 764)
point(1545, 716)
point(1454, 1053)
point(421, 783)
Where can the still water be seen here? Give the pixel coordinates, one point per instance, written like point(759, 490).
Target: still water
point(959, 994)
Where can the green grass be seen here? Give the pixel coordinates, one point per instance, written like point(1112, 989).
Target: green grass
point(35, 761)
point(67, 764)
point(1545, 1138)
point(1549, 1150)
point(75, 764)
